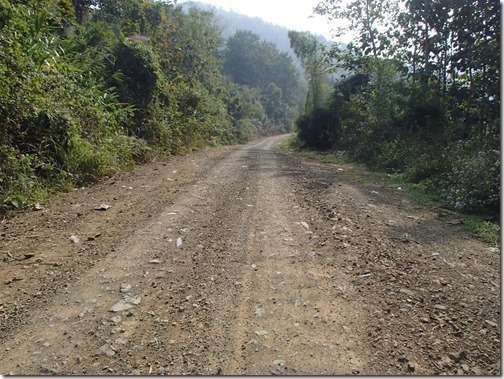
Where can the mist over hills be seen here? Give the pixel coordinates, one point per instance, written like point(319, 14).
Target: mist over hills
point(231, 21)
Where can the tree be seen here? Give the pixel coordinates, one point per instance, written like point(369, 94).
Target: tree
point(260, 65)
point(310, 53)
point(369, 19)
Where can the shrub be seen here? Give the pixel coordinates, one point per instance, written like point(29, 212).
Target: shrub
point(473, 182)
point(318, 129)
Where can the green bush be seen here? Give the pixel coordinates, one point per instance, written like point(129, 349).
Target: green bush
point(318, 129)
point(472, 184)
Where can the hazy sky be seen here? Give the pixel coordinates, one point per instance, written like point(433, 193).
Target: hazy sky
point(293, 14)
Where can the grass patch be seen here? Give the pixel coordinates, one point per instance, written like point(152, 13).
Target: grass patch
point(486, 230)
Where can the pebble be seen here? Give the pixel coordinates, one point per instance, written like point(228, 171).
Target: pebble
point(124, 288)
point(116, 319)
point(491, 323)
point(457, 357)
point(407, 292)
point(411, 366)
point(107, 350)
point(121, 305)
point(261, 332)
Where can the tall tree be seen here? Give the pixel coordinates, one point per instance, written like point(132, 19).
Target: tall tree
point(310, 53)
point(370, 20)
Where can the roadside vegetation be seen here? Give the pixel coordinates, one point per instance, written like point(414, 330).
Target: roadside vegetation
point(481, 226)
point(92, 87)
point(420, 100)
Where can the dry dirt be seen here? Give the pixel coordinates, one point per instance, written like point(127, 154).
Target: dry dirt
point(245, 260)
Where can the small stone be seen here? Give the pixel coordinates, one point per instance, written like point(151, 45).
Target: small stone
point(476, 371)
point(124, 288)
point(411, 366)
point(491, 323)
point(407, 292)
point(102, 207)
point(132, 299)
point(440, 307)
point(279, 362)
point(261, 332)
point(74, 239)
point(121, 306)
point(116, 319)
point(154, 261)
point(254, 267)
point(107, 350)
point(457, 357)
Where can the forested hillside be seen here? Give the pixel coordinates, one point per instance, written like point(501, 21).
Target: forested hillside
point(231, 22)
point(422, 98)
point(90, 87)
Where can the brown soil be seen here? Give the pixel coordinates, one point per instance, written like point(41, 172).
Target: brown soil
point(244, 260)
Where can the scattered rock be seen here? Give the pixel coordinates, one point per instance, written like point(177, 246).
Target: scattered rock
point(132, 299)
point(179, 242)
point(120, 306)
point(411, 366)
point(116, 319)
point(261, 332)
point(305, 225)
point(457, 357)
point(107, 350)
point(124, 288)
point(74, 239)
point(407, 292)
point(259, 311)
point(491, 323)
point(102, 207)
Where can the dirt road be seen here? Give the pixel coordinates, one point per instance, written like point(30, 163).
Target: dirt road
point(244, 260)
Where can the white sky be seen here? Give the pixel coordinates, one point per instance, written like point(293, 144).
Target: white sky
point(293, 14)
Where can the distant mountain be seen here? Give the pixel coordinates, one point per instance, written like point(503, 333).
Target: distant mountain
point(232, 21)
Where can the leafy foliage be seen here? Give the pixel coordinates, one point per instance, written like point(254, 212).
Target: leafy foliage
point(421, 97)
point(90, 87)
point(259, 65)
